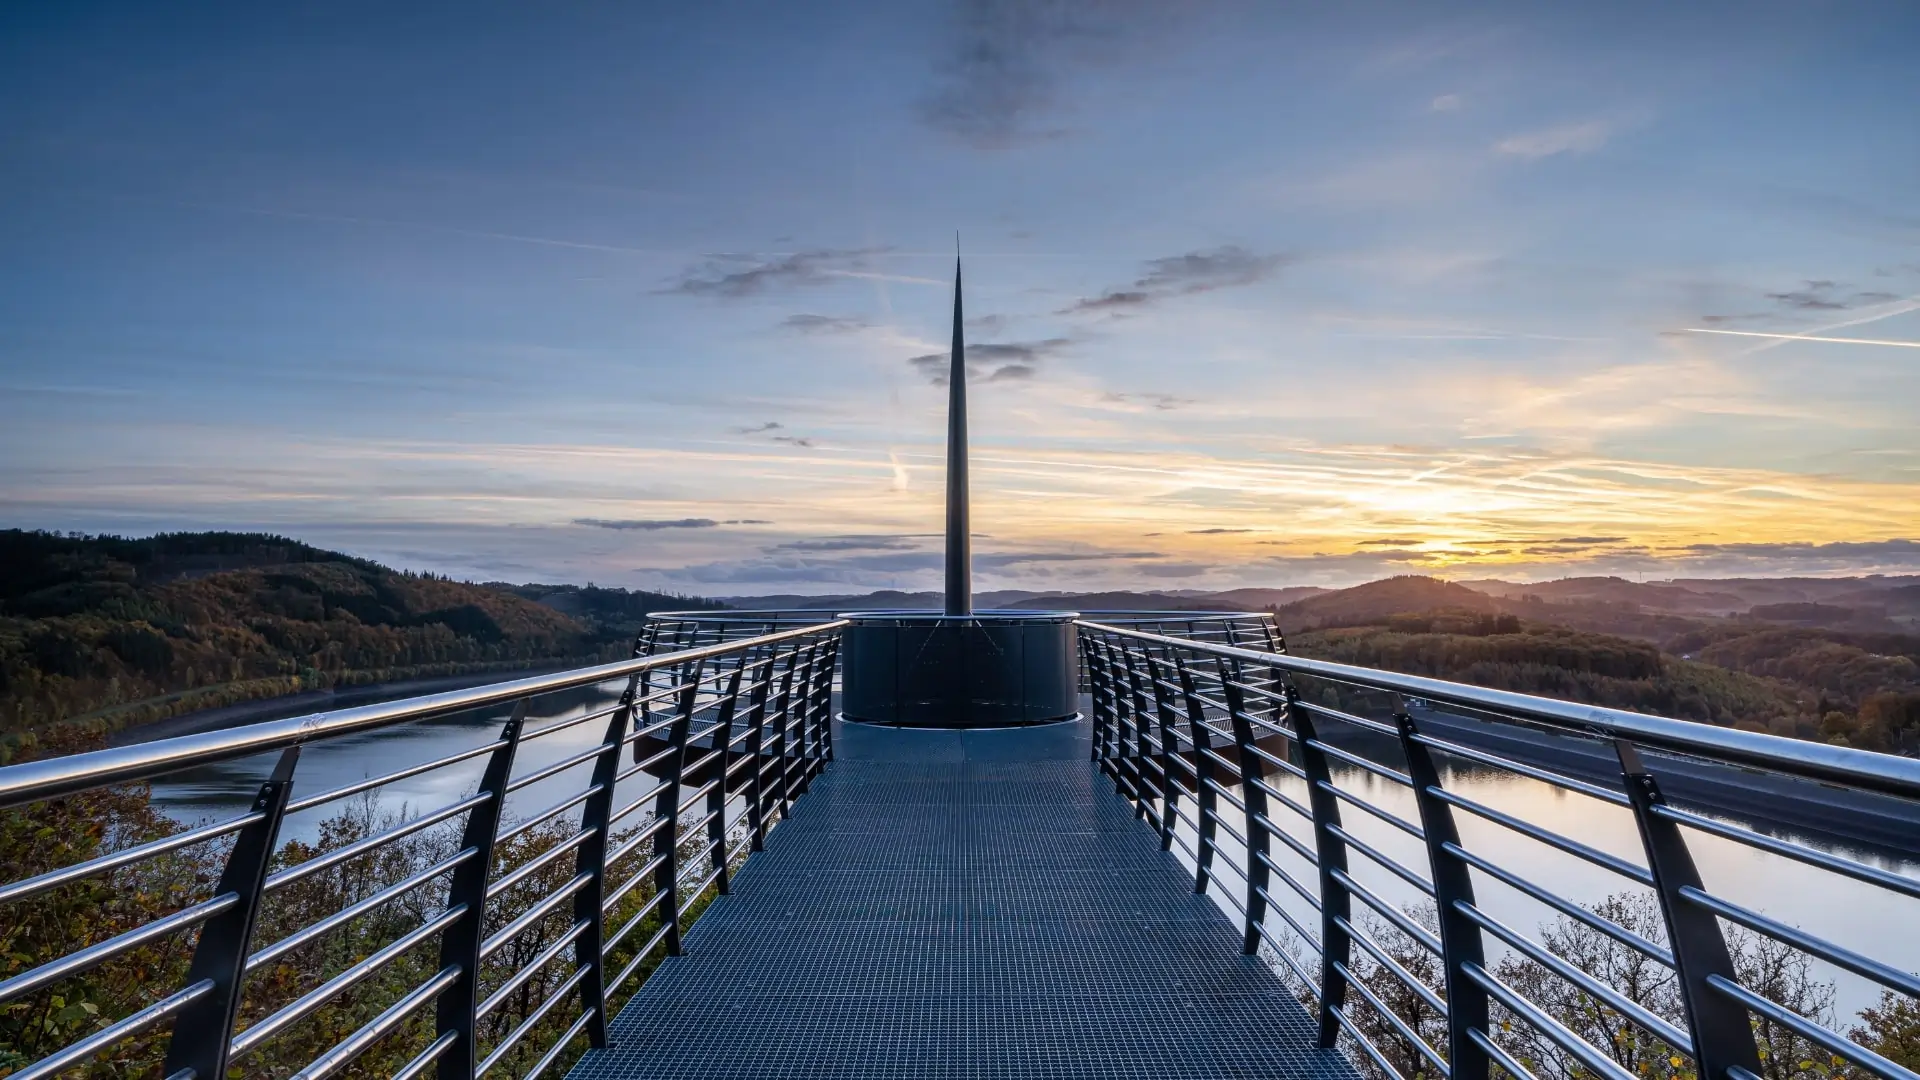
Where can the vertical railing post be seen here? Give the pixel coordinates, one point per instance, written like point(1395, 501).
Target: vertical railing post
point(460, 943)
point(204, 1031)
point(1336, 903)
point(1169, 748)
point(1722, 1033)
point(783, 727)
point(591, 859)
point(756, 738)
point(1460, 941)
point(1127, 744)
point(1203, 770)
point(826, 699)
point(1137, 694)
point(1095, 652)
point(666, 813)
point(1254, 796)
point(717, 795)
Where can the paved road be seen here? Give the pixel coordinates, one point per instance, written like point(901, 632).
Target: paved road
point(975, 904)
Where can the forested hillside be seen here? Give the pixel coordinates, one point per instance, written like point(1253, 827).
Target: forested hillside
point(100, 633)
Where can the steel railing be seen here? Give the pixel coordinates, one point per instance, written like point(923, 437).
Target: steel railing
point(1268, 773)
point(525, 909)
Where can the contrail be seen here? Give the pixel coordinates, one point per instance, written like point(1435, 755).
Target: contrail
point(1807, 337)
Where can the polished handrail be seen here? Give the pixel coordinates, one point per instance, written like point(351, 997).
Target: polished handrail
point(51, 777)
point(1823, 762)
point(476, 909)
point(1236, 698)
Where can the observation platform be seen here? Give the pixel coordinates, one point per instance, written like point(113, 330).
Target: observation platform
point(963, 903)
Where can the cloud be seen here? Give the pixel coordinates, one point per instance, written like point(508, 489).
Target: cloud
point(825, 324)
point(1852, 552)
point(999, 362)
point(1002, 68)
point(1445, 103)
point(1217, 532)
point(1591, 540)
point(1182, 275)
point(652, 524)
point(1825, 296)
point(1173, 570)
point(1391, 541)
point(878, 542)
point(771, 425)
point(1015, 558)
point(1158, 402)
point(1566, 139)
point(735, 276)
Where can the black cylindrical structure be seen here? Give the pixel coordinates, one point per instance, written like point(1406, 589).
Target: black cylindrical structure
point(987, 669)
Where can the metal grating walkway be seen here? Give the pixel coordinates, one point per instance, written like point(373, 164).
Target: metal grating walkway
point(962, 904)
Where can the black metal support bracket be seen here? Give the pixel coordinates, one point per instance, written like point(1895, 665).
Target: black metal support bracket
point(460, 943)
point(1721, 1030)
point(204, 1031)
point(1252, 773)
point(1204, 769)
point(1460, 941)
point(1336, 903)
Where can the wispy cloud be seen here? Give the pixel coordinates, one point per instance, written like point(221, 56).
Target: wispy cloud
point(1805, 337)
point(733, 276)
point(1581, 138)
point(825, 324)
point(655, 524)
point(1182, 275)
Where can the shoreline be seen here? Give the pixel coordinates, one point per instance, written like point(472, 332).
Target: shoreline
point(309, 701)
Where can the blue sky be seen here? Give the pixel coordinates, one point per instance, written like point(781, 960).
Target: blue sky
point(1262, 294)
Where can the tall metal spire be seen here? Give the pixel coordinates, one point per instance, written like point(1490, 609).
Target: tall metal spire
point(959, 534)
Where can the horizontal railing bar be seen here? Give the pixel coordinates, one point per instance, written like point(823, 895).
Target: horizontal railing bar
point(359, 786)
point(533, 968)
point(302, 870)
point(1501, 1057)
point(49, 777)
point(69, 1056)
point(1389, 912)
point(1548, 776)
point(1562, 905)
point(1547, 836)
point(308, 1003)
point(546, 815)
point(1871, 875)
point(1546, 958)
point(1839, 956)
point(1361, 763)
point(1280, 950)
point(642, 874)
point(558, 767)
point(1359, 803)
point(1815, 761)
point(520, 1030)
point(627, 845)
point(1587, 1054)
point(360, 1041)
point(1829, 1041)
point(1380, 955)
point(1393, 1019)
point(1226, 793)
point(1305, 894)
point(66, 875)
point(640, 957)
point(1366, 1045)
point(569, 723)
point(100, 952)
point(553, 1053)
point(534, 914)
point(532, 866)
point(1385, 861)
point(347, 914)
point(1366, 723)
point(1279, 762)
point(418, 1066)
point(638, 916)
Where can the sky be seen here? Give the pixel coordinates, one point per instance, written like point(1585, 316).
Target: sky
point(1258, 294)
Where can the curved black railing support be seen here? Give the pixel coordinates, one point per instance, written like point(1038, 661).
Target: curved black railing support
point(756, 745)
point(1330, 851)
point(666, 817)
point(1719, 1027)
point(1461, 944)
point(458, 1005)
point(1203, 766)
point(1253, 796)
point(1158, 672)
point(716, 811)
point(589, 904)
point(220, 955)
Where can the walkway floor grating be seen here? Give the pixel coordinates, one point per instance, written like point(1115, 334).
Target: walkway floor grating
point(962, 904)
